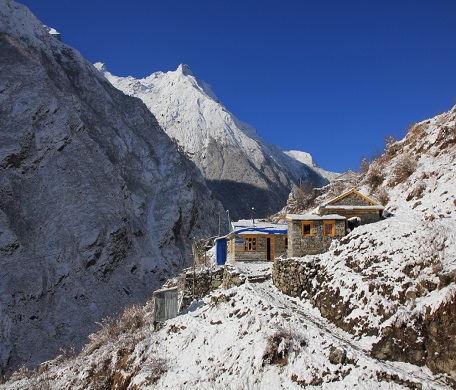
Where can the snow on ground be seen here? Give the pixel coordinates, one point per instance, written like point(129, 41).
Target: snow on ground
point(248, 337)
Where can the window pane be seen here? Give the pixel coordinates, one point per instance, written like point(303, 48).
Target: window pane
point(329, 229)
point(306, 229)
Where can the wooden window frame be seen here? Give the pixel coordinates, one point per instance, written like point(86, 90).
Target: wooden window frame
point(326, 223)
point(253, 241)
point(310, 223)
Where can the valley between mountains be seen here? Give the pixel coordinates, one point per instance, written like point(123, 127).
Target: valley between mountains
point(107, 182)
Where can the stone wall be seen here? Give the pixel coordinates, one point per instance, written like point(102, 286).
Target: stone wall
point(199, 283)
point(247, 256)
point(425, 339)
point(291, 276)
point(232, 277)
point(299, 245)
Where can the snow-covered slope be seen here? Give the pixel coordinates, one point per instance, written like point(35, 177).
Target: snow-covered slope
point(248, 337)
point(97, 206)
point(396, 279)
point(241, 169)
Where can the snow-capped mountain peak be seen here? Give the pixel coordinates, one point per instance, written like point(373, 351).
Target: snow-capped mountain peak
point(238, 165)
point(185, 70)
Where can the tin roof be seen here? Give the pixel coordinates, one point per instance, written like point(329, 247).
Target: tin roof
point(247, 226)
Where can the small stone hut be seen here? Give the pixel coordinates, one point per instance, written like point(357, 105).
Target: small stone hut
point(353, 205)
point(311, 234)
point(252, 240)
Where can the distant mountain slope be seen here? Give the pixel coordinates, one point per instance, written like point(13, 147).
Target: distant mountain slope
point(97, 206)
point(242, 170)
point(308, 160)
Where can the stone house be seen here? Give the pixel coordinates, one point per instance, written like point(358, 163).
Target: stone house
point(311, 234)
point(252, 240)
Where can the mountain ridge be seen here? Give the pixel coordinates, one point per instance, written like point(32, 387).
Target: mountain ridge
point(232, 157)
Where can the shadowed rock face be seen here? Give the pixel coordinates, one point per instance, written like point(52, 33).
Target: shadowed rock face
point(97, 206)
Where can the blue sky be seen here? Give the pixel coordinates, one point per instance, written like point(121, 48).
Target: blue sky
point(332, 77)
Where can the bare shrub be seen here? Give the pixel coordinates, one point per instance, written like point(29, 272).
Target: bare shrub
point(280, 345)
point(132, 319)
point(417, 192)
point(383, 197)
point(374, 178)
point(391, 146)
point(22, 373)
point(199, 250)
point(304, 195)
point(154, 368)
point(404, 168)
point(364, 165)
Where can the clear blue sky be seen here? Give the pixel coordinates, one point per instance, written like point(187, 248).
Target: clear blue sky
point(332, 77)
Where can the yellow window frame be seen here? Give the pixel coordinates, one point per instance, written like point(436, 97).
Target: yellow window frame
point(333, 229)
point(250, 243)
point(307, 223)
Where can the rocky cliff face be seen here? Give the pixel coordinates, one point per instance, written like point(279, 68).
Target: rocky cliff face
point(97, 206)
point(242, 170)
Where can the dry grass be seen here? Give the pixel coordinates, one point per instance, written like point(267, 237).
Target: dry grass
point(404, 168)
point(383, 197)
point(374, 178)
point(132, 319)
point(280, 345)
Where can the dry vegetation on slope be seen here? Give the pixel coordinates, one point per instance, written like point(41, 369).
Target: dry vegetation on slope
point(396, 279)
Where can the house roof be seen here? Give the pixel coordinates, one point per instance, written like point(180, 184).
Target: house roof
point(351, 207)
point(313, 217)
point(247, 226)
point(344, 195)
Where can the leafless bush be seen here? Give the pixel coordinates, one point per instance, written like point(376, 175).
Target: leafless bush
point(374, 178)
point(391, 146)
point(304, 196)
point(132, 319)
point(280, 344)
point(364, 165)
point(154, 368)
point(66, 353)
point(22, 373)
point(199, 249)
point(417, 192)
point(404, 168)
point(383, 197)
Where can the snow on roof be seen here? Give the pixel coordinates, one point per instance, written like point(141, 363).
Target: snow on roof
point(352, 207)
point(248, 226)
point(313, 217)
